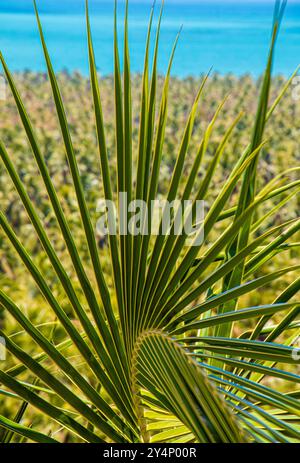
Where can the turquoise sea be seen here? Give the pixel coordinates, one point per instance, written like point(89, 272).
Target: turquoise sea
point(231, 36)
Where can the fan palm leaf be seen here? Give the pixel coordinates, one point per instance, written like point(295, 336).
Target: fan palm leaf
point(157, 355)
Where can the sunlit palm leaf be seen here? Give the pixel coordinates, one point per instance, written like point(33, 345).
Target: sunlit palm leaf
point(158, 360)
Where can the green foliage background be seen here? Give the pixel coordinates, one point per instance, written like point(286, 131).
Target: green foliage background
point(281, 153)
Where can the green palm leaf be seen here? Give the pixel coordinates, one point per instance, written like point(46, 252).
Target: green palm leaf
point(160, 345)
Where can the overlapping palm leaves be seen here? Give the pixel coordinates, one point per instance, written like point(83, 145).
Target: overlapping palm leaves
point(163, 364)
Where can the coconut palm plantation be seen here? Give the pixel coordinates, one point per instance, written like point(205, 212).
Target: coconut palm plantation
point(147, 338)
